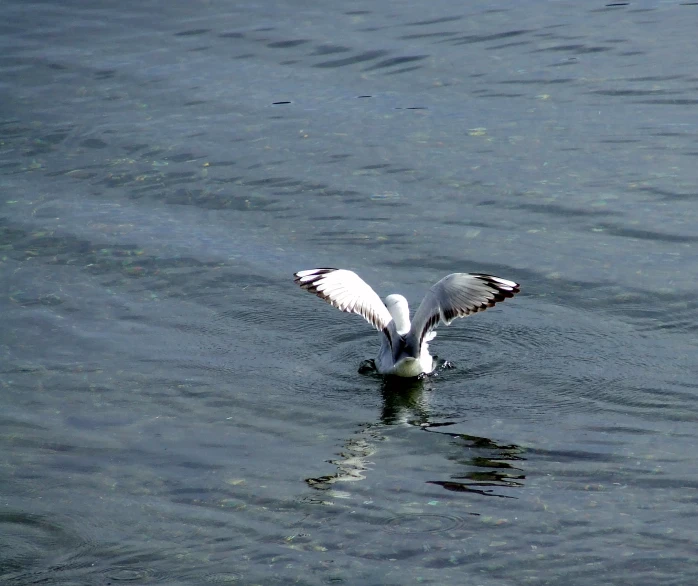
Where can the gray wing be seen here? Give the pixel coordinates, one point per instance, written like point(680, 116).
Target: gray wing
point(348, 292)
point(457, 295)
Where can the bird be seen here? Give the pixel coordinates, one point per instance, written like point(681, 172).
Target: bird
point(404, 349)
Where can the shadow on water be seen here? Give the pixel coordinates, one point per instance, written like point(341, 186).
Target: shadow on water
point(484, 465)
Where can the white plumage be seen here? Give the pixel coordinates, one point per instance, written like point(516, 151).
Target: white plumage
point(404, 350)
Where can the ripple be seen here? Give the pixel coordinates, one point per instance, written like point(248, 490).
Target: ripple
point(127, 574)
point(221, 578)
point(422, 523)
point(34, 543)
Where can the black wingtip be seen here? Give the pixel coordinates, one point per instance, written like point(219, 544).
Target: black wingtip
point(316, 273)
point(496, 283)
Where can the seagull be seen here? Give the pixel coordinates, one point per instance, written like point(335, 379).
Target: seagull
point(404, 347)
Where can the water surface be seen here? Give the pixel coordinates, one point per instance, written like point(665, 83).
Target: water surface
point(175, 410)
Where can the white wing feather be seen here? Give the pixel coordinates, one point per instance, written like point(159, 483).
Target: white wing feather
point(346, 291)
point(458, 295)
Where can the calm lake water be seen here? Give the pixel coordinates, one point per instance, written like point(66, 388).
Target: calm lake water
point(174, 410)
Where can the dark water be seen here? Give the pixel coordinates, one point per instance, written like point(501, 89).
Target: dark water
point(174, 410)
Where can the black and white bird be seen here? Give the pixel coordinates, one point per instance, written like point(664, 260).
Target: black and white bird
point(404, 347)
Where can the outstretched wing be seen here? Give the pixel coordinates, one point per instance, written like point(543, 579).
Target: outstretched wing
point(457, 295)
point(348, 292)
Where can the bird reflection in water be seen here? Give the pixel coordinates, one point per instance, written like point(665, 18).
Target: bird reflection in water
point(493, 469)
point(488, 465)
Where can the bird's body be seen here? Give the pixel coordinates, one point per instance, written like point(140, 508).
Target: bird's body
point(395, 355)
point(404, 347)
